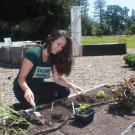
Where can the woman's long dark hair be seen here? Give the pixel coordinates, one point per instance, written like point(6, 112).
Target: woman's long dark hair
point(64, 59)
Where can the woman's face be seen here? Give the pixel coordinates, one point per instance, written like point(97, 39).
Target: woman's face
point(58, 45)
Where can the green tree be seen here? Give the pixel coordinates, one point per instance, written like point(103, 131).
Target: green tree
point(133, 15)
point(96, 30)
point(116, 18)
point(33, 19)
point(86, 25)
point(85, 20)
point(99, 12)
point(84, 6)
point(131, 25)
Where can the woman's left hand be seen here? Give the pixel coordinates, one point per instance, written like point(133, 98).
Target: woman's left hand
point(78, 90)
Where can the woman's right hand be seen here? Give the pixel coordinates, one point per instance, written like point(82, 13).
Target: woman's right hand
point(29, 96)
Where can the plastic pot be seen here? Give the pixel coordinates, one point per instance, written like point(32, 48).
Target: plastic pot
point(86, 116)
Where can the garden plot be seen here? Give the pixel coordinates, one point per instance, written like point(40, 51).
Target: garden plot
point(111, 117)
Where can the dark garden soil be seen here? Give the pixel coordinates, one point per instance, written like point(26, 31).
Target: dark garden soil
point(110, 118)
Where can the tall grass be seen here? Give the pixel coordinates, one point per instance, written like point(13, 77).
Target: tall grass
point(129, 40)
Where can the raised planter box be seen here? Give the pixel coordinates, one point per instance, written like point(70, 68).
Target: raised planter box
point(104, 49)
point(110, 117)
point(12, 54)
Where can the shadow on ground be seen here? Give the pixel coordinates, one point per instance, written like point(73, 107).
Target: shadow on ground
point(117, 109)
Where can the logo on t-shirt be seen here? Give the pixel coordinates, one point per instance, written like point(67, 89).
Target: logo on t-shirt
point(42, 72)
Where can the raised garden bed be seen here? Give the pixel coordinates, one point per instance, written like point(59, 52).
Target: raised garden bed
point(110, 118)
point(14, 53)
point(104, 49)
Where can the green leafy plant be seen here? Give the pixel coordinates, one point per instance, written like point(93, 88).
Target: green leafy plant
point(129, 59)
point(125, 93)
point(101, 94)
point(82, 107)
point(10, 120)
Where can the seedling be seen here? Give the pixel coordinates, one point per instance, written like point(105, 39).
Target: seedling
point(101, 94)
point(10, 120)
point(84, 113)
point(83, 106)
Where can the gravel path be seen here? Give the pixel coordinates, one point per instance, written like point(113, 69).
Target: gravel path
point(87, 72)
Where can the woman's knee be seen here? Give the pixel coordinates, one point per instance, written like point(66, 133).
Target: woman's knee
point(67, 91)
point(63, 93)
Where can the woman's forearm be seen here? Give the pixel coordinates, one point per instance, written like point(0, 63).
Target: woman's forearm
point(22, 83)
point(68, 84)
point(64, 83)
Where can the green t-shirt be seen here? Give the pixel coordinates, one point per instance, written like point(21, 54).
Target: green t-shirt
point(40, 69)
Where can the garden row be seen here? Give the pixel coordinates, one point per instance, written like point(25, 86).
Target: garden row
point(130, 60)
point(67, 115)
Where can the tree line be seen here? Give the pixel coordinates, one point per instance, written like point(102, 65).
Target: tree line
point(35, 19)
point(109, 20)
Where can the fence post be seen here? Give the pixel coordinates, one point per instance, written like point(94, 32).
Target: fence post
point(76, 30)
point(8, 43)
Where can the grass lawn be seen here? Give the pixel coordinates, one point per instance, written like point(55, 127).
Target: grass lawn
point(130, 40)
